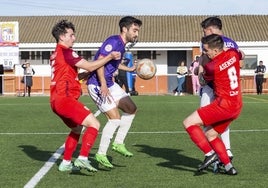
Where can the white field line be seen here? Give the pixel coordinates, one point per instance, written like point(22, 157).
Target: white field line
point(155, 132)
point(52, 160)
point(47, 166)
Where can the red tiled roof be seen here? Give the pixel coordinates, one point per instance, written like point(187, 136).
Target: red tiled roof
point(94, 29)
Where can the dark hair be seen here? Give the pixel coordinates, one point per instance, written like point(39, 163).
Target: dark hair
point(213, 41)
point(212, 21)
point(60, 28)
point(127, 21)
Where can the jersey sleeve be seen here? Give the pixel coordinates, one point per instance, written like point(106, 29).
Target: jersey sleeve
point(111, 44)
point(71, 57)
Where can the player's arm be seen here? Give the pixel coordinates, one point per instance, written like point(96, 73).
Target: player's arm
point(203, 60)
point(201, 74)
point(241, 62)
point(126, 68)
point(93, 65)
point(101, 76)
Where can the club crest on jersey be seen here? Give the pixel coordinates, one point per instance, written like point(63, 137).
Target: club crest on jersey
point(108, 48)
point(75, 55)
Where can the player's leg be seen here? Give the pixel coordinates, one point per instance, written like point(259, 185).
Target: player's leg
point(207, 95)
point(192, 125)
point(108, 107)
point(82, 116)
point(69, 147)
point(129, 109)
point(225, 136)
point(218, 117)
point(219, 147)
point(58, 107)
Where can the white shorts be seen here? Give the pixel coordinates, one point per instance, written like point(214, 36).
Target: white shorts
point(106, 103)
point(207, 95)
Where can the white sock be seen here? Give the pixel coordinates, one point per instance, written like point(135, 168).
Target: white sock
point(125, 124)
point(225, 136)
point(82, 157)
point(228, 166)
point(107, 134)
point(210, 153)
point(66, 162)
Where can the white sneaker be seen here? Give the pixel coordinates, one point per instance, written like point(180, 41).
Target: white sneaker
point(176, 94)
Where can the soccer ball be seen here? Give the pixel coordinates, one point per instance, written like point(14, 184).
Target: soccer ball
point(146, 69)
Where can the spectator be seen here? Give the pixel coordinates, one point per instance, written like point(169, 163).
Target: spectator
point(27, 79)
point(182, 71)
point(259, 77)
point(195, 80)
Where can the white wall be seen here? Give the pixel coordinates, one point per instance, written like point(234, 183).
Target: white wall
point(40, 70)
point(161, 62)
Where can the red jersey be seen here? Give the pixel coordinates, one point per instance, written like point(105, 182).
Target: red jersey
point(224, 71)
point(64, 73)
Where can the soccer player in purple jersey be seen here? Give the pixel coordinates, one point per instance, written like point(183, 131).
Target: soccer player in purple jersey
point(109, 96)
point(213, 25)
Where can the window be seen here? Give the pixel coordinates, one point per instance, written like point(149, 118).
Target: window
point(45, 55)
point(25, 55)
point(32, 55)
point(250, 62)
point(85, 54)
point(144, 54)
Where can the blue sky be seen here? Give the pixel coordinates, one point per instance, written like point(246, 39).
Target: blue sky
point(132, 7)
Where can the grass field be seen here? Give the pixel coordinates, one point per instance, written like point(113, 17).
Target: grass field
point(164, 155)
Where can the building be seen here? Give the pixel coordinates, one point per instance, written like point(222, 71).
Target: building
point(166, 39)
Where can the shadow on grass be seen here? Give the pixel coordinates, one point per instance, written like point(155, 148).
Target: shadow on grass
point(172, 158)
point(36, 154)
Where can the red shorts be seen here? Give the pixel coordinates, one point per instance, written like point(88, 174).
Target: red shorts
point(219, 114)
point(70, 110)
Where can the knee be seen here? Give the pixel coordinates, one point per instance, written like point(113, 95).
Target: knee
point(91, 121)
point(211, 134)
point(96, 125)
point(132, 110)
point(186, 123)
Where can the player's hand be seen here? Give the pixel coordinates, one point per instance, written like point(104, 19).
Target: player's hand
point(104, 91)
point(83, 75)
point(115, 55)
point(133, 68)
point(201, 79)
point(200, 69)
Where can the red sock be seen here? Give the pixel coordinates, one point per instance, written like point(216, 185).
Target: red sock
point(88, 141)
point(70, 145)
point(198, 137)
point(219, 147)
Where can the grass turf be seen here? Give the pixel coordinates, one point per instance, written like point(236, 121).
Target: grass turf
point(164, 155)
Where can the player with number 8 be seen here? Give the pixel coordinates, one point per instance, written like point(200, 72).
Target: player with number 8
point(224, 72)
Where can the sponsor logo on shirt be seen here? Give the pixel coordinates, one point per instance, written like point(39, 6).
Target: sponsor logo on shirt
point(108, 48)
point(75, 55)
